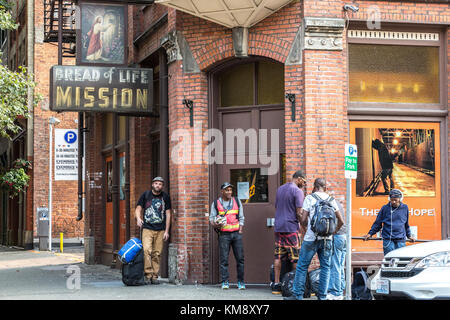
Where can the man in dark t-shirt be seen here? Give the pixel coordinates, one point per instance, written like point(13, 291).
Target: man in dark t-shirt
point(288, 203)
point(153, 215)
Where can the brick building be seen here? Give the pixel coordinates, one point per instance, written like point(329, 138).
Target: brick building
point(29, 46)
point(299, 79)
point(321, 74)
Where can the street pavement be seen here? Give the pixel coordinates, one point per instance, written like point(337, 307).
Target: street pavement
point(43, 275)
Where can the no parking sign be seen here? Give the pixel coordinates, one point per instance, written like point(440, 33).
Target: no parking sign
point(66, 154)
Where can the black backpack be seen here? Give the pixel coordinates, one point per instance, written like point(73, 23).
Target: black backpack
point(288, 283)
point(360, 290)
point(323, 222)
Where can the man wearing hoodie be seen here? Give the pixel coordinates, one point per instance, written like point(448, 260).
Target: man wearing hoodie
point(393, 220)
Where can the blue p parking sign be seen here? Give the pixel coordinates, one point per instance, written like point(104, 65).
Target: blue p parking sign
point(70, 137)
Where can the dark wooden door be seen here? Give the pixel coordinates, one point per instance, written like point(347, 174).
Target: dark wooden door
point(247, 98)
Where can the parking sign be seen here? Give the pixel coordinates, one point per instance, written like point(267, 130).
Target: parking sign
point(351, 161)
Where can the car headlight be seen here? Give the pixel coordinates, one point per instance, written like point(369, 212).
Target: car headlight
point(440, 259)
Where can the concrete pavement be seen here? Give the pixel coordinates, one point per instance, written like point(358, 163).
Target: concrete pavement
point(43, 275)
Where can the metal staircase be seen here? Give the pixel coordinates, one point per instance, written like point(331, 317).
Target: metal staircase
point(51, 24)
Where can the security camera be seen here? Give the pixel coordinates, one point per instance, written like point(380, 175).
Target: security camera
point(54, 120)
point(351, 7)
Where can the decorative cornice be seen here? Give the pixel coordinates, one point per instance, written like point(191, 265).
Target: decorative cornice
point(323, 33)
point(170, 43)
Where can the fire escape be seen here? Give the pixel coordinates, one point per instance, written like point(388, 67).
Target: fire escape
point(60, 30)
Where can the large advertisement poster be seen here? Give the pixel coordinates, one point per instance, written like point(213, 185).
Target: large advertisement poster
point(400, 155)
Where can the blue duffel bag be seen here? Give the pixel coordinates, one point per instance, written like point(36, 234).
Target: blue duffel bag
point(130, 250)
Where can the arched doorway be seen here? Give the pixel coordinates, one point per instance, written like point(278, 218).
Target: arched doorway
point(247, 99)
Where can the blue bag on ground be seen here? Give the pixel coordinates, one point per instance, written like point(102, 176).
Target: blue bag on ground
point(130, 250)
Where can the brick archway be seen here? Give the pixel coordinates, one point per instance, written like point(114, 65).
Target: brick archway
point(258, 45)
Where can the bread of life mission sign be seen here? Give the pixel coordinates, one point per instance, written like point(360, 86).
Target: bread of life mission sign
point(101, 89)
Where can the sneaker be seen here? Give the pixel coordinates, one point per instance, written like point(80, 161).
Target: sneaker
point(155, 281)
point(148, 281)
point(225, 285)
point(291, 297)
point(276, 288)
point(331, 296)
point(241, 285)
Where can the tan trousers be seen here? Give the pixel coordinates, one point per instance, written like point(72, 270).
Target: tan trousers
point(152, 242)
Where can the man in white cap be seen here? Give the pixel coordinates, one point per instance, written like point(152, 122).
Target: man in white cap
point(156, 224)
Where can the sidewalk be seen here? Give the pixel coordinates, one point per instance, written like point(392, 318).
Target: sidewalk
point(43, 275)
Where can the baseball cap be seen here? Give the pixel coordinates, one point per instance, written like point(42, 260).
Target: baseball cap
point(226, 185)
point(299, 173)
point(395, 193)
point(158, 179)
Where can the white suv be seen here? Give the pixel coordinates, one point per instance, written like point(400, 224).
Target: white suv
point(420, 271)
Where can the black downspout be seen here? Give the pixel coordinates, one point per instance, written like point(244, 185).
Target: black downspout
point(127, 176)
point(164, 119)
point(115, 190)
point(80, 164)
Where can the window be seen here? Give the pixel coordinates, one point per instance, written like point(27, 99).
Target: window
point(394, 73)
point(251, 185)
point(258, 83)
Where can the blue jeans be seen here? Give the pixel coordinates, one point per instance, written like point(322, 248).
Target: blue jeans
point(389, 245)
point(324, 249)
point(337, 274)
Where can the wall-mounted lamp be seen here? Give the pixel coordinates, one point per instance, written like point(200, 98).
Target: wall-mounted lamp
point(190, 105)
point(291, 98)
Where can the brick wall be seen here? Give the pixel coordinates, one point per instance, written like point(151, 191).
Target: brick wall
point(320, 85)
point(65, 193)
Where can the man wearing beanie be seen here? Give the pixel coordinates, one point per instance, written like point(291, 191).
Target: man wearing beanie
point(393, 220)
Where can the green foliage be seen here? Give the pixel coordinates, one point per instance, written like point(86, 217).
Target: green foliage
point(14, 88)
point(14, 181)
point(14, 99)
point(6, 20)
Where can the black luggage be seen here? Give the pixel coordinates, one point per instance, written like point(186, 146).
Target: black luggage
point(360, 290)
point(286, 266)
point(314, 278)
point(288, 282)
point(133, 272)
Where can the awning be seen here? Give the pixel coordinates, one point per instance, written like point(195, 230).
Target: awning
point(229, 13)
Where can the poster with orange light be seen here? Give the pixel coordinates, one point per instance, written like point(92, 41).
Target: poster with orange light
point(400, 155)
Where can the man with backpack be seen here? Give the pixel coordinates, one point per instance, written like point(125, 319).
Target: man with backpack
point(227, 217)
point(156, 224)
point(320, 215)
